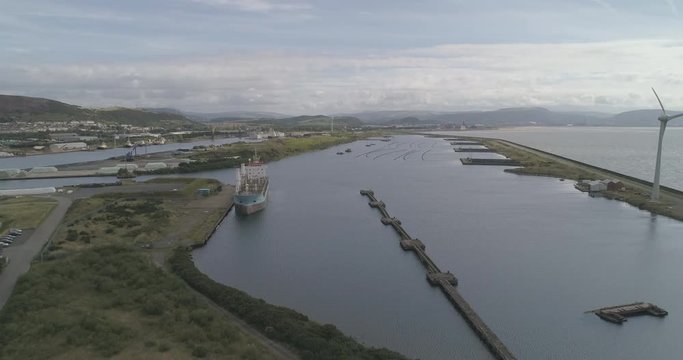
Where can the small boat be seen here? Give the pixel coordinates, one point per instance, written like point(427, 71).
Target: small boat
point(348, 150)
point(103, 146)
point(340, 153)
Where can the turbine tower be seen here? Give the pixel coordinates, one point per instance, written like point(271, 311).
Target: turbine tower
point(663, 119)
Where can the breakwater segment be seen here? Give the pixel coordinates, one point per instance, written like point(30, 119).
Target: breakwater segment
point(446, 281)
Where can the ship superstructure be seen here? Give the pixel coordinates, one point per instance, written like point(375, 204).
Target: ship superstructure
point(251, 192)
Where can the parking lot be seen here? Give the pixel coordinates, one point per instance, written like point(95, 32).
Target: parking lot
point(12, 237)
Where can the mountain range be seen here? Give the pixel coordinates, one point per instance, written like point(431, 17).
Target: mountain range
point(29, 109)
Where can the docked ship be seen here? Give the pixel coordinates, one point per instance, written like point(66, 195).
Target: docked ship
point(251, 192)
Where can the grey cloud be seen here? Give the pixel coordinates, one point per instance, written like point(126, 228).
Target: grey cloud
point(460, 76)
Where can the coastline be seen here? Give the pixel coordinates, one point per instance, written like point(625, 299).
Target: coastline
point(636, 191)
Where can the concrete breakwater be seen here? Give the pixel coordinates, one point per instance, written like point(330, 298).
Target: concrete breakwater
point(500, 162)
point(444, 280)
point(462, 149)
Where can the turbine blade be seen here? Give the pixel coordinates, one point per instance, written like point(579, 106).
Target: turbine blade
point(660, 101)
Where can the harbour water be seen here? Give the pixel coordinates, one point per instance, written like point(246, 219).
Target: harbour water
point(531, 255)
point(53, 159)
point(24, 162)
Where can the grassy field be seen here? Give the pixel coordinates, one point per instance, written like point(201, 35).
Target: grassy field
point(535, 165)
point(155, 220)
point(24, 212)
point(275, 149)
point(112, 301)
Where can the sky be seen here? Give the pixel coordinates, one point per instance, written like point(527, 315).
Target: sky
point(331, 57)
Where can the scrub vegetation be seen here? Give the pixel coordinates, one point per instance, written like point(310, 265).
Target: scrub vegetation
point(112, 301)
point(115, 279)
point(232, 155)
point(149, 220)
point(635, 192)
point(312, 340)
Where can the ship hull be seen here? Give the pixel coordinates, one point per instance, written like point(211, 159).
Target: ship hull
point(249, 209)
point(247, 204)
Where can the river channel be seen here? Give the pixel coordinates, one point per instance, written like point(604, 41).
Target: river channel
point(532, 254)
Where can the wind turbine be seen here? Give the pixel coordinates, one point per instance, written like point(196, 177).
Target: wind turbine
point(663, 119)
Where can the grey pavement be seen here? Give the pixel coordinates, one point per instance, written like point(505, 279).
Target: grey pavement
point(21, 254)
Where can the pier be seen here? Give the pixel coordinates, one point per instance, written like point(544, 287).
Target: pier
point(462, 149)
point(617, 314)
point(444, 280)
point(498, 162)
point(466, 143)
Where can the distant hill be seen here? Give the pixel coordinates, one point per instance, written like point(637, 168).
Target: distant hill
point(228, 116)
point(30, 109)
point(409, 120)
point(515, 117)
point(641, 118)
point(307, 122)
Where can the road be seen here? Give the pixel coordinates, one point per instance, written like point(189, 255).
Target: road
point(21, 255)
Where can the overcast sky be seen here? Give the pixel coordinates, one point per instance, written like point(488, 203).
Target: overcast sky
point(331, 56)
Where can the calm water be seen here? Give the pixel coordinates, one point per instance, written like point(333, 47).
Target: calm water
point(629, 151)
point(532, 254)
point(23, 162)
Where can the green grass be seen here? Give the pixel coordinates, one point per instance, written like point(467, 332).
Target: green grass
point(536, 165)
point(275, 149)
point(109, 220)
point(112, 301)
point(24, 212)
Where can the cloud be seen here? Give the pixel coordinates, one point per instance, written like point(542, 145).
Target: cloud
point(604, 4)
point(257, 5)
point(597, 75)
point(672, 6)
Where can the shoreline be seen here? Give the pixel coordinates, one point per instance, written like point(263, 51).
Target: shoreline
point(536, 162)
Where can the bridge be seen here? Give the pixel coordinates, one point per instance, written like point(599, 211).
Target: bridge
point(444, 280)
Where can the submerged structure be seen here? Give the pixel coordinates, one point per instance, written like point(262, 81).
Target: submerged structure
point(617, 314)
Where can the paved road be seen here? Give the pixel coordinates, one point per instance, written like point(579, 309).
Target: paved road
point(20, 255)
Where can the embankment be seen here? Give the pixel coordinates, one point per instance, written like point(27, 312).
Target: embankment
point(310, 339)
point(636, 191)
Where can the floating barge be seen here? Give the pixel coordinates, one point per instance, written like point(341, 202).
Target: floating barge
point(461, 149)
point(618, 314)
point(499, 162)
